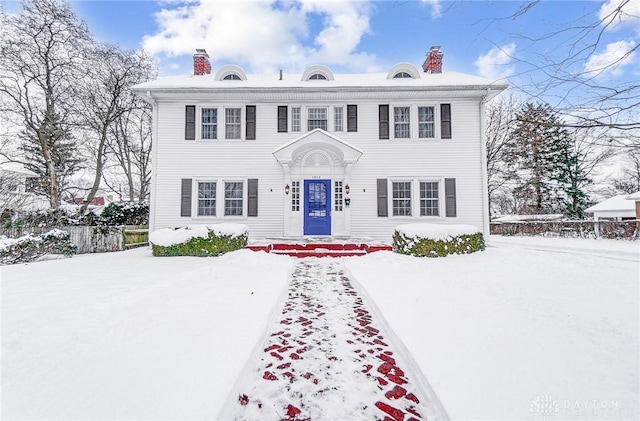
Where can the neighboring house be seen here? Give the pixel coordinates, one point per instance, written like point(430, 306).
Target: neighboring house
point(16, 196)
point(635, 197)
point(319, 153)
point(616, 208)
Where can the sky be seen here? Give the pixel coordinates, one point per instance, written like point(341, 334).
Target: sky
point(479, 37)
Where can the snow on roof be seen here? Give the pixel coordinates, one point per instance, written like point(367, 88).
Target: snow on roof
point(616, 203)
point(634, 196)
point(346, 80)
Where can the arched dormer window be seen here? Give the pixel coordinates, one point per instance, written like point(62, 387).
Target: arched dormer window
point(403, 71)
point(317, 72)
point(402, 75)
point(231, 72)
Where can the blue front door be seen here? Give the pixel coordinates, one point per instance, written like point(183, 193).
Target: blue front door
point(317, 207)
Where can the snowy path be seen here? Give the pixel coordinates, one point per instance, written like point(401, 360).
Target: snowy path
point(329, 357)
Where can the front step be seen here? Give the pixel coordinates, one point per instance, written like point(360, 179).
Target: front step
point(319, 249)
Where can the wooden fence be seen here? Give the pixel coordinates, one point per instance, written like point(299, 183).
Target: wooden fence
point(91, 239)
point(581, 229)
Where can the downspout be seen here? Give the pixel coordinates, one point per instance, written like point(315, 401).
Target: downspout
point(485, 183)
point(154, 161)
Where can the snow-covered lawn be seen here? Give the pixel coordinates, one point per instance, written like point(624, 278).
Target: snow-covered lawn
point(129, 336)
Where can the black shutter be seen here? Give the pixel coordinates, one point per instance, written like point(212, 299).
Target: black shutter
point(251, 122)
point(450, 196)
point(383, 203)
point(352, 118)
point(282, 118)
point(185, 197)
point(190, 122)
point(383, 119)
point(445, 121)
point(252, 196)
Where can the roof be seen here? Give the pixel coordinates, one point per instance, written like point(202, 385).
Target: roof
point(616, 203)
point(444, 81)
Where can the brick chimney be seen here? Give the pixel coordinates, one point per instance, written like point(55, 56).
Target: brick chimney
point(201, 65)
point(433, 63)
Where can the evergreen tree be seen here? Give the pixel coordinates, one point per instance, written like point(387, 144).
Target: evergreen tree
point(537, 154)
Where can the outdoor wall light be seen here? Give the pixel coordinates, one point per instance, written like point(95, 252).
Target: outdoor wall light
point(286, 189)
point(347, 189)
point(347, 201)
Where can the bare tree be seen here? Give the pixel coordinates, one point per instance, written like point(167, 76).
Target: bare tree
point(41, 57)
point(500, 123)
point(106, 101)
point(130, 149)
point(575, 82)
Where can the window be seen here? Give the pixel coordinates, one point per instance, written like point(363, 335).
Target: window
point(429, 203)
point(401, 198)
point(317, 119)
point(401, 122)
point(233, 199)
point(295, 196)
point(232, 76)
point(206, 199)
point(337, 195)
point(338, 118)
point(232, 123)
point(295, 119)
point(402, 75)
point(426, 122)
point(317, 76)
point(209, 123)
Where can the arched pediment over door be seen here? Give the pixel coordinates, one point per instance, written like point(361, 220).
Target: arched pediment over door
point(317, 155)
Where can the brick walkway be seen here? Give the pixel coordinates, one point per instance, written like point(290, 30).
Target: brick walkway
point(328, 358)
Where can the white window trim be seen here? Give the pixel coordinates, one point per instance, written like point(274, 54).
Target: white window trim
point(196, 200)
point(332, 126)
point(415, 198)
point(414, 124)
point(302, 118)
point(305, 117)
point(441, 197)
point(222, 123)
point(220, 198)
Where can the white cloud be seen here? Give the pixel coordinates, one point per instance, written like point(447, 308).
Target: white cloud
point(618, 13)
point(611, 61)
point(265, 34)
point(497, 62)
point(436, 7)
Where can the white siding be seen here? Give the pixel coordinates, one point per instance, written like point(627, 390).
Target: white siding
point(416, 159)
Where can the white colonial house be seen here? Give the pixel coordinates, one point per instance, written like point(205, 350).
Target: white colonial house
point(318, 153)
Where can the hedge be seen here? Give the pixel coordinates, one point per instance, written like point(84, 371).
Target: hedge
point(429, 247)
point(212, 245)
point(29, 247)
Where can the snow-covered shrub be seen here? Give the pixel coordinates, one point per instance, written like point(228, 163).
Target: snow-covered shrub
point(124, 214)
point(209, 240)
point(29, 247)
point(431, 240)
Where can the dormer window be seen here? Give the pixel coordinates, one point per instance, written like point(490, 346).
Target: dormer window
point(403, 71)
point(231, 72)
point(317, 72)
point(402, 75)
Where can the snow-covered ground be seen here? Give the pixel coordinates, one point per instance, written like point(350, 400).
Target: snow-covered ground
point(498, 334)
